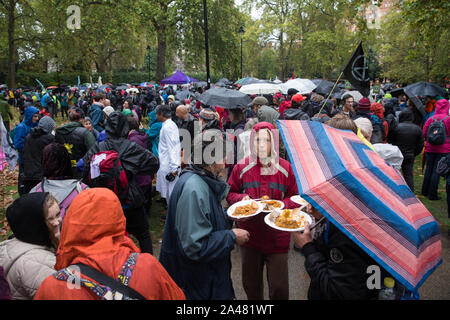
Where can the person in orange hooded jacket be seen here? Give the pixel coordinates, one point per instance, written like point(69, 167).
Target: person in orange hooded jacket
point(93, 233)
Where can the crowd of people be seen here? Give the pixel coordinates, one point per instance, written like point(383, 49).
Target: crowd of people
point(88, 184)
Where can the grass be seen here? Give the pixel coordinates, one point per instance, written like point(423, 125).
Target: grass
point(438, 208)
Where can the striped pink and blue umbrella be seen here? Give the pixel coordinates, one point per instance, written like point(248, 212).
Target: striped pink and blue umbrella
point(366, 198)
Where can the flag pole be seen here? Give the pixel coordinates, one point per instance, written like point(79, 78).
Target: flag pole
point(328, 98)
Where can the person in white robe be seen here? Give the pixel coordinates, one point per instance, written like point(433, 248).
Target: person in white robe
point(169, 150)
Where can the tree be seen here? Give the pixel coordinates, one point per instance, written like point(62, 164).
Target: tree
point(20, 21)
point(414, 43)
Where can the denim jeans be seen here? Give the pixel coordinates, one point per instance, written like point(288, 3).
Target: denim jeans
point(431, 179)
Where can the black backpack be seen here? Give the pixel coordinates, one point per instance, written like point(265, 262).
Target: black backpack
point(437, 133)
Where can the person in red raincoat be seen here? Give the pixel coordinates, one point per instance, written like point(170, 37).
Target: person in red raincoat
point(264, 173)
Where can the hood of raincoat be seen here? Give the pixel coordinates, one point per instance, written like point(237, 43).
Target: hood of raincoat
point(29, 113)
point(274, 142)
point(93, 232)
point(117, 125)
point(406, 116)
point(442, 107)
point(377, 109)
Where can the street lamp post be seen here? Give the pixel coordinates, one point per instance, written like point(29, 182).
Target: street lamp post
point(241, 33)
point(149, 61)
point(205, 21)
point(57, 68)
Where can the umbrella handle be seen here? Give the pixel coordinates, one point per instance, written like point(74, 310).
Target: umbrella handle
point(317, 223)
point(334, 87)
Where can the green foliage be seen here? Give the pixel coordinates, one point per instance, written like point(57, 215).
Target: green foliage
point(312, 38)
point(414, 46)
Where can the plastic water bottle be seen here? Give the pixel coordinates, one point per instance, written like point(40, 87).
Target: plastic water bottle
point(387, 292)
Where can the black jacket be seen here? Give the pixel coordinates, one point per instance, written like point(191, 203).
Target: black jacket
point(337, 268)
point(295, 114)
point(32, 153)
point(135, 159)
point(408, 136)
point(77, 139)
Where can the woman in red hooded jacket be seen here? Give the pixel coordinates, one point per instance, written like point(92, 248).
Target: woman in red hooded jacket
point(264, 173)
point(93, 233)
point(434, 153)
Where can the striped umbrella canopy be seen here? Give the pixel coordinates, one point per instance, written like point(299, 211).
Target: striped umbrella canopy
point(366, 198)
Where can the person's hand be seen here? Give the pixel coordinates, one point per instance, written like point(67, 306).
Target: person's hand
point(313, 212)
point(246, 198)
point(242, 236)
point(141, 126)
point(302, 238)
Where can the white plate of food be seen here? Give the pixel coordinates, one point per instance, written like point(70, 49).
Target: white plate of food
point(290, 220)
point(270, 205)
point(299, 200)
point(244, 209)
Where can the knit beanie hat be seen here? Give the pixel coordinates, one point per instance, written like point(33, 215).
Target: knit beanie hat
point(26, 218)
point(364, 125)
point(261, 101)
point(364, 105)
point(47, 124)
point(207, 114)
point(108, 110)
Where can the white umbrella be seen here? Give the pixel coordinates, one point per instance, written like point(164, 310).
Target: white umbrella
point(302, 85)
point(260, 88)
point(133, 90)
point(355, 94)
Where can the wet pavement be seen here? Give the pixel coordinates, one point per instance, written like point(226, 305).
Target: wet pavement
point(436, 287)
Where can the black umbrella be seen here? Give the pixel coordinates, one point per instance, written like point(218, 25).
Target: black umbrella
point(316, 81)
point(183, 95)
point(324, 87)
point(122, 88)
point(200, 84)
point(225, 98)
point(224, 82)
point(388, 87)
point(397, 92)
point(422, 89)
point(416, 101)
point(338, 93)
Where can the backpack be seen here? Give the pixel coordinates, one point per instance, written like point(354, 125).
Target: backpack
point(443, 166)
point(106, 171)
point(64, 191)
point(379, 132)
point(437, 133)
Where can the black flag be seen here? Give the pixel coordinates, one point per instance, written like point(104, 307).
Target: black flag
point(357, 71)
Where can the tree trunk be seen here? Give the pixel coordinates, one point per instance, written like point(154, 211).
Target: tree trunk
point(162, 47)
point(11, 46)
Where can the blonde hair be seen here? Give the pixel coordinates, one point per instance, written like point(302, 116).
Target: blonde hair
point(343, 122)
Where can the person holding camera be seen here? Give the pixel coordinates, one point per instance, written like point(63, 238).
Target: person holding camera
point(169, 150)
